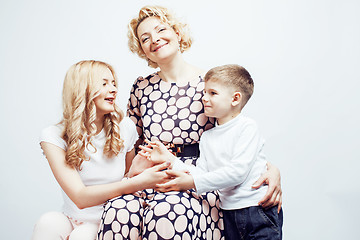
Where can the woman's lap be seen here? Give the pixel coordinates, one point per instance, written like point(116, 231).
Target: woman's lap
point(172, 215)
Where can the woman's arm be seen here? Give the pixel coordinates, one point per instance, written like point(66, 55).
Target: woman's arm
point(88, 196)
point(273, 195)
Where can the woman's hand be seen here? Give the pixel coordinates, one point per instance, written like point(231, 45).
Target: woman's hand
point(179, 181)
point(273, 195)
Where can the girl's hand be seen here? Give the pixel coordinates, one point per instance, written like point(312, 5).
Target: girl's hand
point(139, 164)
point(155, 175)
point(156, 152)
point(180, 181)
point(273, 195)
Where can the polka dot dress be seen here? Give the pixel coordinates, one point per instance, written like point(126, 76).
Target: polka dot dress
point(170, 113)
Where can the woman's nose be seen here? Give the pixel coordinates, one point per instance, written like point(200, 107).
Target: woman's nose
point(155, 38)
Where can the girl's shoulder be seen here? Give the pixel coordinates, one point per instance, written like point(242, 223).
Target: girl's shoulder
point(53, 134)
point(126, 122)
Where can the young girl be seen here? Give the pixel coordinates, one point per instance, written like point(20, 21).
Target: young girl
point(89, 152)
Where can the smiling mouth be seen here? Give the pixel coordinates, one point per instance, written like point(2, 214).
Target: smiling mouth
point(157, 48)
point(110, 100)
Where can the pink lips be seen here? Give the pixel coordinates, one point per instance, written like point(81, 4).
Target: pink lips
point(158, 47)
point(110, 100)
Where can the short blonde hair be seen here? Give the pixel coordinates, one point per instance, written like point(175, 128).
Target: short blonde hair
point(235, 77)
point(81, 86)
point(165, 16)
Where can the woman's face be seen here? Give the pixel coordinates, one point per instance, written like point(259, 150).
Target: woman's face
point(105, 101)
point(158, 40)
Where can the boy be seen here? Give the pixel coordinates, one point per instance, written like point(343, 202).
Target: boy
point(231, 158)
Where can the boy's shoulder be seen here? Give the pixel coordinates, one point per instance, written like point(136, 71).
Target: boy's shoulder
point(236, 125)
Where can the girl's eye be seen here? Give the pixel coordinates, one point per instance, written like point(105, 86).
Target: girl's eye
point(162, 29)
point(144, 40)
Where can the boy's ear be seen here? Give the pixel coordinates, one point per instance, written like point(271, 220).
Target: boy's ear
point(236, 99)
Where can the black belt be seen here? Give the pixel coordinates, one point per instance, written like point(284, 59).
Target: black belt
point(185, 150)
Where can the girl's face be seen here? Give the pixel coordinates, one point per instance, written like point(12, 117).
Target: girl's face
point(105, 101)
point(158, 40)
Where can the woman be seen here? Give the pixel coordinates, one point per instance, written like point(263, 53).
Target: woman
point(89, 152)
point(167, 106)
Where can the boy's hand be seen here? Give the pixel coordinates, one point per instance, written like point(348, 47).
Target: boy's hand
point(180, 181)
point(156, 152)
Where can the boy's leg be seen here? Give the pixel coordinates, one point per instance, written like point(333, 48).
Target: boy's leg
point(233, 224)
point(265, 223)
point(253, 223)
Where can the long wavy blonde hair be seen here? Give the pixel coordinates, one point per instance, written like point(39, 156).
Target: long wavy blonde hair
point(165, 16)
point(81, 86)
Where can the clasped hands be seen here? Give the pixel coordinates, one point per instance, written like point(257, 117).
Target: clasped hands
point(156, 153)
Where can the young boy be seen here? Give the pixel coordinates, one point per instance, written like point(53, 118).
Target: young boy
point(231, 158)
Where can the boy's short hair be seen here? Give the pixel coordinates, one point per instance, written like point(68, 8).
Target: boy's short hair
point(234, 76)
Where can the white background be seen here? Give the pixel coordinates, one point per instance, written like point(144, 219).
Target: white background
point(303, 55)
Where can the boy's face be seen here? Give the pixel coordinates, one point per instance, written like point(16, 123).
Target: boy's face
point(217, 101)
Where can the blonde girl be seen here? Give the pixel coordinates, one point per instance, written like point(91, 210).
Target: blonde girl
point(89, 152)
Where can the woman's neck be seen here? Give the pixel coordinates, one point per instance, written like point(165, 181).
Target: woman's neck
point(178, 71)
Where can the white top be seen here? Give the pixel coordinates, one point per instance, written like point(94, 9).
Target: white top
point(231, 160)
point(99, 170)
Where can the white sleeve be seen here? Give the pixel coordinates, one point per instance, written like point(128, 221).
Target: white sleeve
point(181, 166)
point(52, 135)
point(129, 133)
point(246, 147)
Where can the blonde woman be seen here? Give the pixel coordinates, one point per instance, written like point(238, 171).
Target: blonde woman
point(89, 152)
point(166, 106)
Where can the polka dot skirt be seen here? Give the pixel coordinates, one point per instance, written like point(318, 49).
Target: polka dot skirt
point(153, 215)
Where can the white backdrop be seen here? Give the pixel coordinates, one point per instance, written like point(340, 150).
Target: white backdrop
point(303, 55)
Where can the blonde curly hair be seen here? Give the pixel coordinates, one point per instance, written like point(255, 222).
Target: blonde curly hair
point(81, 86)
point(165, 16)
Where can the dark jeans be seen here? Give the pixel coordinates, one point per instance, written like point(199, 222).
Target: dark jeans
point(253, 223)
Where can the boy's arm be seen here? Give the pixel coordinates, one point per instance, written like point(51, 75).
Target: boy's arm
point(181, 181)
point(156, 152)
point(235, 172)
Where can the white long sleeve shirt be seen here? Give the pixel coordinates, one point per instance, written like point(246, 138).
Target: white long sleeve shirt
point(231, 160)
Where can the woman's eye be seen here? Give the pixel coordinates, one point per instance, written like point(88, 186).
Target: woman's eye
point(144, 40)
point(162, 29)
point(104, 84)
